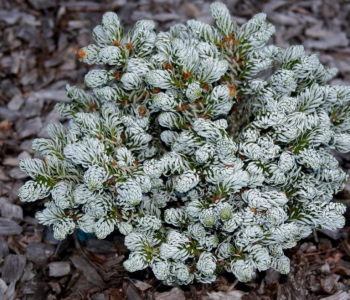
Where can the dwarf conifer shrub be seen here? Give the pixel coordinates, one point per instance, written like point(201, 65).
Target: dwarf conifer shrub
point(182, 146)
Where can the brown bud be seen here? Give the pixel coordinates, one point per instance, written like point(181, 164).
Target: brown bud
point(187, 75)
point(167, 66)
point(156, 90)
point(242, 157)
point(129, 46)
point(124, 103)
point(142, 111)
point(122, 136)
point(81, 54)
point(181, 108)
point(92, 107)
point(254, 210)
point(117, 75)
point(116, 43)
point(232, 90)
point(206, 87)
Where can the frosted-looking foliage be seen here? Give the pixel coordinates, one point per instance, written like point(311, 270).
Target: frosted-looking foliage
point(153, 149)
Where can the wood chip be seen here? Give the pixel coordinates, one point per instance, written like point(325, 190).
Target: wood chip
point(4, 249)
point(11, 211)
point(9, 227)
point(13, 267)
point(329, 282)
point(140, 285)
point(3, 176)
point(132, 293)
point(340, 295)
point(52, 95)
point(43, 4)
point(17, 173)
point(10, 292)
point(11, 161)
point(99, 246)
point(29, 127)
point(39, 253)
point(175, 293)
point(35, 290)
point(5, 125)
point(233, 295)
point(334, 234)
point(191, 10)
point(272, 276)
point(16, 102)
point(58, 269)
point(9, 16)
point(89, 272)
point(330, 40)
point(98, 297)
point(3, 287)
point(32, 106)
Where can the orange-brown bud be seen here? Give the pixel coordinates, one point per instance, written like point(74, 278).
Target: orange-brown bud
point(181, 108)
point(124, 103)
point(187, 75)
point(81, 54)
point(206, 87)
point(129, 46)
point(116, 43)
point(142, 111)
point(156, 90)
point(232, 90)
point(92, 107)
point(117, 75)
point(254, 210)
point(167, 66)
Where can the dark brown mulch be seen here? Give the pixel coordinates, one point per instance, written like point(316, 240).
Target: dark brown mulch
point(38, 42)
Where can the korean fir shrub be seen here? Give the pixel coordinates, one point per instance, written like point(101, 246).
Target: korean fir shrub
point(182, 146)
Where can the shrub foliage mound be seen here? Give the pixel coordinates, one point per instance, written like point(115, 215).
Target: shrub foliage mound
point(187, 150)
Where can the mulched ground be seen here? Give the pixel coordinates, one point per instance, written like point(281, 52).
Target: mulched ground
point(38, 42)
